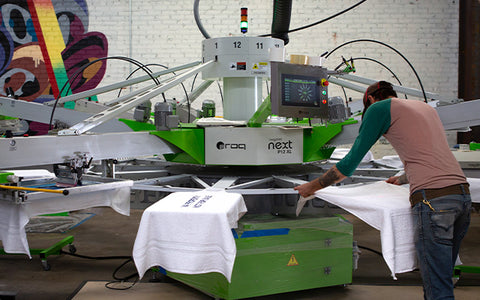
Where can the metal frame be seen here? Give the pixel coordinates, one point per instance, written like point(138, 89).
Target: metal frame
point(124, 106)
point(121, 84)
point(39, 112)
point(24, 151)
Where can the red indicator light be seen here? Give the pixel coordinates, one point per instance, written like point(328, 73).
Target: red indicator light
point(324, 101)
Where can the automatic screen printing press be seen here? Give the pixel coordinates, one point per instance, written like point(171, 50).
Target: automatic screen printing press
point(38, 193)
point(189, 236)
point(274, 142)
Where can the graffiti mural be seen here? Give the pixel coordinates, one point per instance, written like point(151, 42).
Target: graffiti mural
point(24, 61)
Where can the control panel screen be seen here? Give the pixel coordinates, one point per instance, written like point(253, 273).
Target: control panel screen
point(300, 90)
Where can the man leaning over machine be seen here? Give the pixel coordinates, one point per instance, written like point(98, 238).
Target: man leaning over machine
point(439, 193)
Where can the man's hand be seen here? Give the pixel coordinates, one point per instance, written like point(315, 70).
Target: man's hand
point(333, 175)
point(398, 180)
point(308, 189)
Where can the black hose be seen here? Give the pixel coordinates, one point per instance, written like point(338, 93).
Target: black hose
point(318, 22)
point(282, 11)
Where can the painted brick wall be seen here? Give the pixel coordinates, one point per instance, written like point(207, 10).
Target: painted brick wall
point(164, 32)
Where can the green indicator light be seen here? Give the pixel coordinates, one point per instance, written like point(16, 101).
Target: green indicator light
point(244, 26)
point(324, 92)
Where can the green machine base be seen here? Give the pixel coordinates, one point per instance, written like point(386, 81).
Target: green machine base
point(279, 255)
point(458, 270)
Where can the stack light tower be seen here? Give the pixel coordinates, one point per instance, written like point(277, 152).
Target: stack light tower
point(242, 62)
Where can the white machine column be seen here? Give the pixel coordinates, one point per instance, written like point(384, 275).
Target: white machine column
point(242, 96)
point(242, 62)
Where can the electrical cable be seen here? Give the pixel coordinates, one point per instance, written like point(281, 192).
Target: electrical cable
point(220, 88)
point(134, 71)
point(391, 48)
point(188, 103)
point(122, 279)
point(184, 90)
point(321, 21)
point(375, 61)
point(95, 257)
point(114, 275)
point(370, 249)
point(86, 66)
point(193, 82)
point(345, 94)
point(158, 65)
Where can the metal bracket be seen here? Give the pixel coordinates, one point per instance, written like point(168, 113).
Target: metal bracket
point(72, 171)
point(14, 196)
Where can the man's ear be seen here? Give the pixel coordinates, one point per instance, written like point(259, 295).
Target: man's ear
point(370, 99)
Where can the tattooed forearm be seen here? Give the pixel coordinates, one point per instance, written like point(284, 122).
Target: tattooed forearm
point(329, 178)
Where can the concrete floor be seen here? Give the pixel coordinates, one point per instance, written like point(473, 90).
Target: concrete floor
point(111, 234)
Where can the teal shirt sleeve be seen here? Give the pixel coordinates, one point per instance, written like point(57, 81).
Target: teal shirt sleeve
point(374, 124)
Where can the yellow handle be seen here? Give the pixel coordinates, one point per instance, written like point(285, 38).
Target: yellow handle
point(21, 188)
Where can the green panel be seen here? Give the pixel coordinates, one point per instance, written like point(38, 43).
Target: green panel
point(181, 157)
point(190, 141)
point(6, 118)
point(315, 140)
point(138, 126)
point(3, 177)
point(261, 114)
point(61, 214)
point(474, 146)
point(321, 248)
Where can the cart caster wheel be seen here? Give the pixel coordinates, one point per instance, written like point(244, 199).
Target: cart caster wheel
point(46, 266)
point(72, 249)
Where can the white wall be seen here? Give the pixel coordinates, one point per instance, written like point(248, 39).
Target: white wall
point(164, 32)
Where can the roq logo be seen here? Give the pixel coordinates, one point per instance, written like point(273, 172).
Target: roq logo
point(232, 146)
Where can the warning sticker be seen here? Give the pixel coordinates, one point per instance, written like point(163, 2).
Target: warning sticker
point(292, 261)
point(238, 66)
point(262, 66)
point(241, 65)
